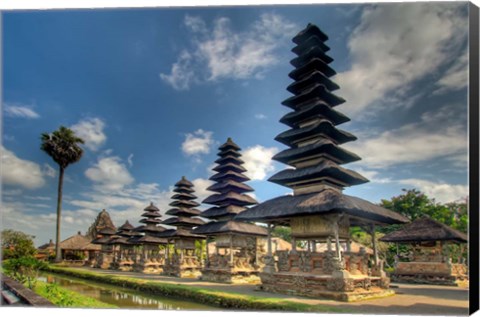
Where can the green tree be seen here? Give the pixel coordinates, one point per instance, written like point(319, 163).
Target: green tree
point(282, 232)
point(16, 244)
point(24, 269)
point(63, 147)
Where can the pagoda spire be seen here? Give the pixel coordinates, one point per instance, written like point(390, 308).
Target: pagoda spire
point(314, 141)
point(229, 198)
point(184, 207)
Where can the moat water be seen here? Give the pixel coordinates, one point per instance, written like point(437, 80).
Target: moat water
point(121, 297)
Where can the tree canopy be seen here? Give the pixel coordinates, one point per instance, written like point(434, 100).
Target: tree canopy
point(16, 244)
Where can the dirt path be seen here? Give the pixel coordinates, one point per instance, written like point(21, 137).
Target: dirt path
point(410, 299)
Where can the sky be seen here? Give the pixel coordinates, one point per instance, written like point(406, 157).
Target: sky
point(155, 91)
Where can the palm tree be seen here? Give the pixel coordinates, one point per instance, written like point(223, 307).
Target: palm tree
point(63, 147)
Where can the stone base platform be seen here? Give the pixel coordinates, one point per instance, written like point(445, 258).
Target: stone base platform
point(436, 273)
point(183, 272)
point(353, 288)
point(230, 277)
point(148, 268)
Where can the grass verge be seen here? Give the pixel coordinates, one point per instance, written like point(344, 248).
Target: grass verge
point(65, 298)
point(227, 300)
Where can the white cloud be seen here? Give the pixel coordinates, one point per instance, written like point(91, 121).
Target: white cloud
point(260, 116)
point(20, 111)
point(396, 44)
point(456, 77)
point(434, 136)
point(442, 192)
point(49, 170)
point(91, 131)
point(182, 74)
point(228, 54)
point(198, 142)
point(130, 160)
point(109, 174)
point(20, 172)
point(258, 161)
point(200, 186)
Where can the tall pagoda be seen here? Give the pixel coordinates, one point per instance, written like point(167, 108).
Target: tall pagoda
point(123, 247)
point(152, 258)
point(238, 245)
point(318, 212)
point(185, 259)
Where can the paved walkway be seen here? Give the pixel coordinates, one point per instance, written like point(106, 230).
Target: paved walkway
point(410, 299)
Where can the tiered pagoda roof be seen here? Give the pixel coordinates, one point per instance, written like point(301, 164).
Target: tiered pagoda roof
point(124, 234)
point(184, 211)
point(151, 228)
point(229, 198)
point(314, 151)
point(102, 221)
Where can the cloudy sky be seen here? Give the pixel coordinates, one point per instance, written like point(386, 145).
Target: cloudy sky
point(154, 92)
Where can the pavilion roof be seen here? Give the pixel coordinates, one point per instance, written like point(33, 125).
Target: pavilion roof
point(230, 226)
point(425, 229)
point(217, 212)
point(184, 182)
point(323, 202)
point(179, 233)
point(178, 221)
point(78, 242)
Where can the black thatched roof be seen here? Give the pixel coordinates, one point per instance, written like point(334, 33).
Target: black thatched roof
point(425, 229)
point(151, 207)
point(231, 226)
point(293, 136)
point(316, 109)
point(179, 233)
point(183, 221)
point(184, 183)
point(229, 145)
point(107, 231)
point(311, 41)
point(217, 212)
point(183, 212)
point(324, 202)
point(230, 198)
point(147, 239)
point(307, 32)
point(317, 91)
point(126, 226)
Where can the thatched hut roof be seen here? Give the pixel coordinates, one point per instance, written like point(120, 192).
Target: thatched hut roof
point(179, 233)
point(324, 202)
point(215, 228)
point(425, 229)
point(78, 242)
point(47, 246)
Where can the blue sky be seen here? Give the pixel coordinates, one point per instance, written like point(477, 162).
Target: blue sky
point(155, 91)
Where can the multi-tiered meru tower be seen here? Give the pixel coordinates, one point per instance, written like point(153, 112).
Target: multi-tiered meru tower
point(318, 211)
point(152, 255)
point(186, 255)
point(238, 245)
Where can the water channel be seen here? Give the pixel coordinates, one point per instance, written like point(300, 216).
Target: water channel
point(119, 296)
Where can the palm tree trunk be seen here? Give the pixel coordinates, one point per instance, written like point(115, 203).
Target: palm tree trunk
point(58, 256)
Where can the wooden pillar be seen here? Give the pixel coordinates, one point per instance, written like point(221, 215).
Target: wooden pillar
point(329, 244)
point(349, 246)
point(231, 250)
point(337, 241)
point(269, 240)
point(294, 245)
point(314, 246)
point(207, 250)
point(374, 243)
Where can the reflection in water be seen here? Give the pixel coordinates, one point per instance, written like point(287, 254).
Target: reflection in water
point(121, 297)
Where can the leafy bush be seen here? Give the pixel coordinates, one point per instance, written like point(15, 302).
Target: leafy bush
point(24, 269)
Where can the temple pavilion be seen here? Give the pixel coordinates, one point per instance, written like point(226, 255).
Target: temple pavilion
point(124, 253)
point(239, 246)
point(105, 257)
point(184, 250)
point(318, 212)
point(152, 251)
point(429, 260)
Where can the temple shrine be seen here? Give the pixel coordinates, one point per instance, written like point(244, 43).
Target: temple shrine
point(151, 255)
point(429, 261)
point(239, 246)
point(318, 212)
point(184, 249)
point(124, 252)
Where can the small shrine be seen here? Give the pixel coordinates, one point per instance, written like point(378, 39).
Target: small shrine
point(429, 261)
point(101, 222)
point(105, 257)
point(150, 253)
point(318, 212)
point(124, 253)
point(183, 257)
point(239, 246)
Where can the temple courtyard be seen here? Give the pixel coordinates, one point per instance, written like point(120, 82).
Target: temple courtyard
point(409, 299)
